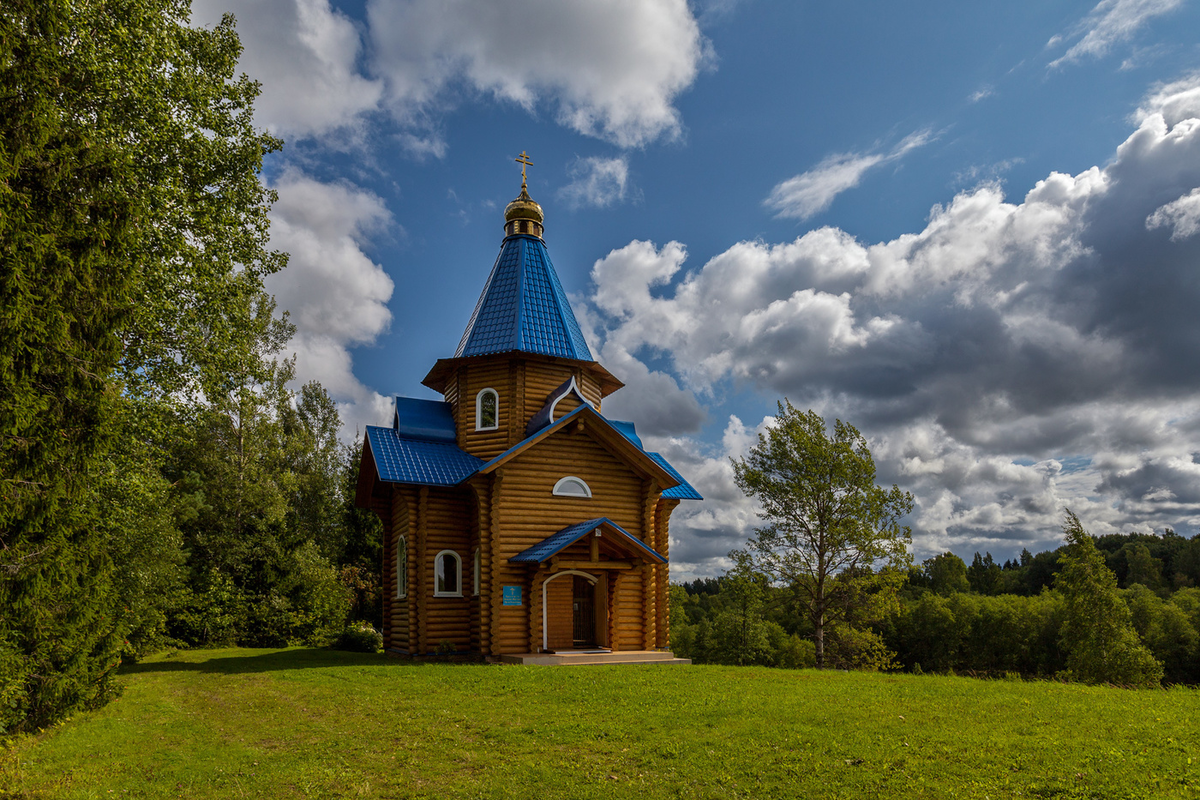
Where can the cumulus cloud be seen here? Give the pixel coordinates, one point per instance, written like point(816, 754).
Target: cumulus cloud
point(596, 182)
point(702, 534)
point(1182, 215)
point(606, 68)
point(1110, 23)
point(1011, 358)
point(810, 193)
point(336, 296)
point(306, 56)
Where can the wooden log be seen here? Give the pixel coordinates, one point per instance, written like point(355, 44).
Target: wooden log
point(497, 567)
point(586, 565)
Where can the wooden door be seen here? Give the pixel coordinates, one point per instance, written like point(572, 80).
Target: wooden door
point(584, 612)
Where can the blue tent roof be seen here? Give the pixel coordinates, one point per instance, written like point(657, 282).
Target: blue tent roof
point(556, 543)
point(431, 463)
point(523, 307)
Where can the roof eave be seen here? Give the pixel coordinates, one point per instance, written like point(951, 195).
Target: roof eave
point(439, 375)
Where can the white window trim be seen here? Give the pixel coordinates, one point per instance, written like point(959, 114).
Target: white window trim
point(558, 487)
point(479, 410)
point(477, 572)
point(401, 567)
point(437, 573)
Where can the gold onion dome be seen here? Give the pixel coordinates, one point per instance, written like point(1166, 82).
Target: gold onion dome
point(523, 215)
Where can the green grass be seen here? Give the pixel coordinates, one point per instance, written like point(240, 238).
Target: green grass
point(311, 723)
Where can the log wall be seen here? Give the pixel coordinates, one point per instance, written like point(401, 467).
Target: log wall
point(447, 523)
point(395, 609)
point(471, 379)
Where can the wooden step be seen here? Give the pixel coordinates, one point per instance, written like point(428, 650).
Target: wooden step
point(581, 658)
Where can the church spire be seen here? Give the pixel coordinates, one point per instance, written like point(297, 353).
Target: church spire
point(523, 215)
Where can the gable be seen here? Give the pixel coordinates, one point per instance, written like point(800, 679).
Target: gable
point(586, 421)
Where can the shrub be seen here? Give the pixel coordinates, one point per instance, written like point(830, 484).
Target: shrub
point(359, 637)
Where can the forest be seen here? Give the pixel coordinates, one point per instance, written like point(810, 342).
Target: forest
point(985, 618)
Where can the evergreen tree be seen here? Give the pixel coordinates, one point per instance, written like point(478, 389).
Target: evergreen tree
point(130, 215)
point(1097, 633)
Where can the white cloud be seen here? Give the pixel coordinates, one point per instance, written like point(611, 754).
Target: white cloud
point(1111, 22)
point(981, 93)
point(608, 68)
point(596, 182)
point(1182, 214)
point(336, 296)
point(306, 56)
point(810, 193)
point(1010, 359)
point(702, 534)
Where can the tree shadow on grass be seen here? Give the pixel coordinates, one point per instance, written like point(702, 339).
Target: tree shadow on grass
point(250, 661)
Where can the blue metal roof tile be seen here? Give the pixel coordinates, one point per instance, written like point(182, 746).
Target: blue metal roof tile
point(431, 463)
point(523, 307)
point(684, 491)
point(628, 431)
point(556, 543)
point(424, 419)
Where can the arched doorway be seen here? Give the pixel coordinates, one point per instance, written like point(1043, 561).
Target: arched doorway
point(573, 610)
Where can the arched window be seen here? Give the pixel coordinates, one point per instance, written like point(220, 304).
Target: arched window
point(571, 486)
point(478, 564)
point(447, 574)
point(487, 410)
point(401, 567)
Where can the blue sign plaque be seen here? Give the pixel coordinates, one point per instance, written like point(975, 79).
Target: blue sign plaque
point(512, 595)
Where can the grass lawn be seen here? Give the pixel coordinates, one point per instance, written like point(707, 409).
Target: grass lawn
point(314, 723)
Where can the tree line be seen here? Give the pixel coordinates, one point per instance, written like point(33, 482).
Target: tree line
point(828, 581)
point(983, 619)
point(162, 483)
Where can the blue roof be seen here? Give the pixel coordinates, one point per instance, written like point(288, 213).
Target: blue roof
point(523, 307)
point(432, 420)
point(402, 460)
point(684, 491)
point(542, 419)
point(628, 431)
point(420, 447)
point(550, 546)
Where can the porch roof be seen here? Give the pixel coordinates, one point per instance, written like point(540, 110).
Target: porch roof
point(555, 543)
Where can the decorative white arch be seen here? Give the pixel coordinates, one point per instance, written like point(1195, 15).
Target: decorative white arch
point(545, 630)
point(571, 387)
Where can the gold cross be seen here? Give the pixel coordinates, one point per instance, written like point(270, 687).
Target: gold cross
point(524, 161)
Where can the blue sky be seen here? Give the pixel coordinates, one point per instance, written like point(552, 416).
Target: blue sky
point(972, 230)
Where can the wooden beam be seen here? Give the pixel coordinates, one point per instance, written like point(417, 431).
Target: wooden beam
point(593, 565)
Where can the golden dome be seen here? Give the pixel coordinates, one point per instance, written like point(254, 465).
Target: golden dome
point(523, 207)
point(523, 215)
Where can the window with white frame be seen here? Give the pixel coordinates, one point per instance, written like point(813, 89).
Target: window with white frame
point(478, 562)
point(571, 486)
point(401, 567)
point(487, 410)
point(447, 574)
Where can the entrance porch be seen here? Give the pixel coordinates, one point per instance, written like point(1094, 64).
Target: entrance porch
point(590, 657)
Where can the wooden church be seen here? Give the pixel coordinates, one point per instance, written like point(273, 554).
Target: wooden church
point(518, 520)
